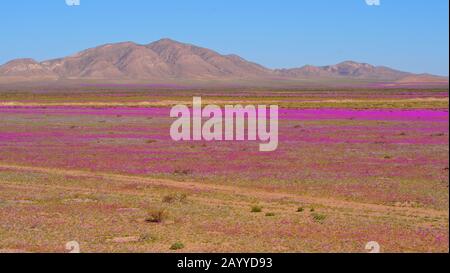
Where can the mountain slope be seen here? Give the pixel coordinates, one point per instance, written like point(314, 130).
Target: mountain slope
point(191, 61)
point(122, 60)
point(423, 78)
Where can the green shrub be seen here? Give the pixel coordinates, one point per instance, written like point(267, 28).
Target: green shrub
point(256, 209)
point(318, 217)
point(177, 246)
point(270, 214)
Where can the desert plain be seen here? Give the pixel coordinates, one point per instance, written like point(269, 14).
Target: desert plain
point(95, 164)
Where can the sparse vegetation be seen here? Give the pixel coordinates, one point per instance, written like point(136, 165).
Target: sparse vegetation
point(177, 197)
point(317, 217)
point(148, 238)
point(156, 216)
point(183, 172)
point(256, 209)
point(130, 193)
point(177, 246)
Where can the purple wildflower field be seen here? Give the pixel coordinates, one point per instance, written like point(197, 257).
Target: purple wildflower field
point(360, 154)
point(340, 177)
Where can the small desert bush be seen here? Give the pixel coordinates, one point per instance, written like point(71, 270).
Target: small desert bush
point(156, 216)
point(148, 238)
point(270, 214)
point(172, 198)
point(317, 217)
point(182, 172)
point(256, 209)
point(300, 209)
point(177, 246)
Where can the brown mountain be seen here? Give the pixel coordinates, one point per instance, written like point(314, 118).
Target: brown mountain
point(166, 59)
point(348, 69)
point(423, 78)
point(26, 68)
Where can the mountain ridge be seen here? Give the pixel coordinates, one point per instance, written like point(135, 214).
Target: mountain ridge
point(168, 59)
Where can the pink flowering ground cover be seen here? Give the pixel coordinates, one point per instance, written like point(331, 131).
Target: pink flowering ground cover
point(380, 156)
point(339, 179)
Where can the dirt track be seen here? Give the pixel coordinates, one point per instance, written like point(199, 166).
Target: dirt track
point(234, 190)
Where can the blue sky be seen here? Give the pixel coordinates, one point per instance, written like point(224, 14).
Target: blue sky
point(411, 35)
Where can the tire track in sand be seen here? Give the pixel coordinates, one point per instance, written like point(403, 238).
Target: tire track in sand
point(233, 190)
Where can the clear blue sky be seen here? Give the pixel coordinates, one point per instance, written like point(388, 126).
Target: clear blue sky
point(411, 35)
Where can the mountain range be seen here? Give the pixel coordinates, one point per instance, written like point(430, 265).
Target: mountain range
point(166, 60)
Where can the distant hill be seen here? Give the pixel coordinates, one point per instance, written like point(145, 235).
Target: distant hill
point(26, 68)
point(348, 69)
point(167, 60)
